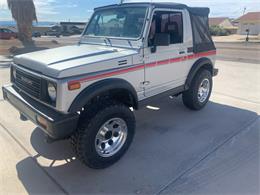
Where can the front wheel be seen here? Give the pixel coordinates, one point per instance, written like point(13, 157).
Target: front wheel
point(104, 134)
point(199, 92)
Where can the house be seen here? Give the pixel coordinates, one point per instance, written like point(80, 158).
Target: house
point(73, 26)
point(224, 23)
point(41, 29)
point(250, 21)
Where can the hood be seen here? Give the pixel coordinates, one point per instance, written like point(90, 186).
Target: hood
point(74, 60)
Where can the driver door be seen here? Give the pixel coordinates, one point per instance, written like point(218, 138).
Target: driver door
point(163, 67)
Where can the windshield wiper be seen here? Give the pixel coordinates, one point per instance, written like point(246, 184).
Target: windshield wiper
point(129, 42)
point(106, 39)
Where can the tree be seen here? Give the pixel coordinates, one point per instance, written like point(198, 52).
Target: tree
point(24, 13)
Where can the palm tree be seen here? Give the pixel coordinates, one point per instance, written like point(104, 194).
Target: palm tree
point(23, 12)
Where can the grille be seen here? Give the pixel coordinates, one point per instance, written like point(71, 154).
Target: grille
point(28, 83)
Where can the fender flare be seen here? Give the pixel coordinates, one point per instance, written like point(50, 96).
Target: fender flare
point(100, 87)
point(195, 67)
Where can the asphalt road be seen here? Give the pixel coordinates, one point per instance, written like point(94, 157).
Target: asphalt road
point(175, 150)
point(236, 51)
point(242, 52)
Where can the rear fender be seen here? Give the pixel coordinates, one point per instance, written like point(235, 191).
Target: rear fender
point(201, 63)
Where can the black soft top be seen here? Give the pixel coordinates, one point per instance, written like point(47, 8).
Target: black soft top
point(203, 11)
point(202, 40)
point(194, 10)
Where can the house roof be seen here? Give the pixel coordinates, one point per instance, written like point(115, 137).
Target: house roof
point(217, 21)
point(250, 16)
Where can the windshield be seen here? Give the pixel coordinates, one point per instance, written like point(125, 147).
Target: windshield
point(122, 22)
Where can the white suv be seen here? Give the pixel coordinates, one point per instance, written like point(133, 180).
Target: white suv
point(129, 54)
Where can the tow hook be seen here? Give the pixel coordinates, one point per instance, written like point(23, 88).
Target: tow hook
point(23, 118)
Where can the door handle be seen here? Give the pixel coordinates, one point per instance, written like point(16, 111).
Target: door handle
point(182, 52)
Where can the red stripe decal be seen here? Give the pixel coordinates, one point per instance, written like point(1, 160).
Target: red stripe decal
point(107, 74)
point(174, 60)
point(189, 57)
point(163, 62)
point(149, 65)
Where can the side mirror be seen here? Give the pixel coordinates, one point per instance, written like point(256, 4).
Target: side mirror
point(160, 39)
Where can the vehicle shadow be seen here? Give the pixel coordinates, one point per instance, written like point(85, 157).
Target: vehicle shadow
point(170, 139)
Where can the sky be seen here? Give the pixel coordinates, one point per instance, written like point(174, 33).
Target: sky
point(81, 10)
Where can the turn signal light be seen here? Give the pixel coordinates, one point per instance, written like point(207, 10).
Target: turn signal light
point(74, 86)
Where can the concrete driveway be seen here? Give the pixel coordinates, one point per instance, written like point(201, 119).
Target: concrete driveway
point(175, 150)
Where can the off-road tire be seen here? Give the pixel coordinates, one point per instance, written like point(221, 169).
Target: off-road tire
point(83, 140)
point(190, 97)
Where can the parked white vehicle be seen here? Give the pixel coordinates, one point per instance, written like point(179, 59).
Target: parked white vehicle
point(129, 54)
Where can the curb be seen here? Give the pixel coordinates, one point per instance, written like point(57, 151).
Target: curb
point(250, 42)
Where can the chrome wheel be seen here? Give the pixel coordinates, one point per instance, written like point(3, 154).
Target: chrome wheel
point(111, 137)
point(204, 90)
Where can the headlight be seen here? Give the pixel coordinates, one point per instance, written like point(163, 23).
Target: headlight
point(52, 91)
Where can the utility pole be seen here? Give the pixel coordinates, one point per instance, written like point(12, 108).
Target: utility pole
point(244, 11)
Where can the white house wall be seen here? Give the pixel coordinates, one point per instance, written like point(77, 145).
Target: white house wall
point(254, 28)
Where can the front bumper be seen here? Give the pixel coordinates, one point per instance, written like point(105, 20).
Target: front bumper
point(57, 125)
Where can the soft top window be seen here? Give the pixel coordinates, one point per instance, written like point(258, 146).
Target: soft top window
point(202, 40)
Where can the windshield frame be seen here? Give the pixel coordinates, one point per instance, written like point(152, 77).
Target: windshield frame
point(118, 38)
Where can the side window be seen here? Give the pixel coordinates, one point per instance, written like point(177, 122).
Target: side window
point(167, 22)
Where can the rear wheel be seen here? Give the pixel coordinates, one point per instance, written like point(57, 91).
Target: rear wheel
point(199, 92)
point(105, 133)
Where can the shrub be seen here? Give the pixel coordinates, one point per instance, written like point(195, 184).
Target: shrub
point(218, 31)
